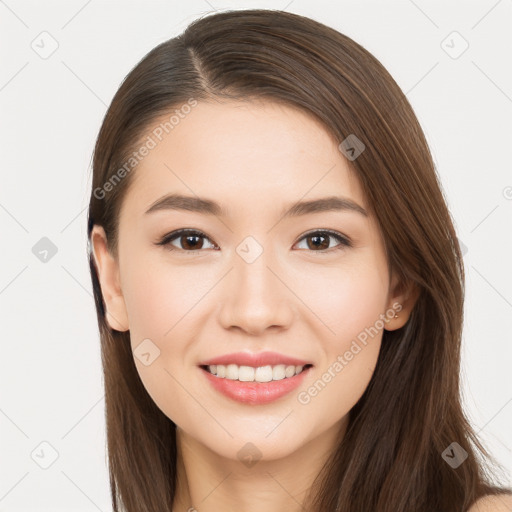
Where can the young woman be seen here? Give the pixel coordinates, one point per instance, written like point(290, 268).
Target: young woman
point(278, 283)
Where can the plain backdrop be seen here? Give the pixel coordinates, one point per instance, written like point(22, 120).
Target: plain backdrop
point(452, 59)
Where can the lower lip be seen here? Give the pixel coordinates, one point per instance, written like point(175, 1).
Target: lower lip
point(255, 393)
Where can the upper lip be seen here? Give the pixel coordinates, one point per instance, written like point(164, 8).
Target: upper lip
point(255, 360)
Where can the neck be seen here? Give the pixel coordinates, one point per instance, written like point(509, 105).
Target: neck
point(209, 482)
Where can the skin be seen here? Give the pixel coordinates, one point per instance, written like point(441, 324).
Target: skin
point(501, 503)
point(255, 159)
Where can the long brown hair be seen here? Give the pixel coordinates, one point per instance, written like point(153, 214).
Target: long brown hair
point(390, 458)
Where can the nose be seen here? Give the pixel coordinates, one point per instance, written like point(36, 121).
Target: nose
point(256, 296)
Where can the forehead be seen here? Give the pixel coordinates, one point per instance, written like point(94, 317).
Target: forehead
point(242, 154)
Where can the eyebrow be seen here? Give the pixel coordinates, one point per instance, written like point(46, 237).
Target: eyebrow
point(209, 207)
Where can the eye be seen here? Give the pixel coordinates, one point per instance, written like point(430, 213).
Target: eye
point(320, 240)
point(190, 240)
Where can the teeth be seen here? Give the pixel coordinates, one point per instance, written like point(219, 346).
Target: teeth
point(232, 372)
point(279, 372)
point(250, 374)
point(290, 371)
point(246, 373)
point(264, 374)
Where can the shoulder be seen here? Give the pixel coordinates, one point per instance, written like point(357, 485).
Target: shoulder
point(498, 503)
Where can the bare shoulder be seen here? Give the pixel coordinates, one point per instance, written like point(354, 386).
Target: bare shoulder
point(499, 503)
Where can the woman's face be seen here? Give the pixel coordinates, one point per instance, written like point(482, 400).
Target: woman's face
point(255, 280)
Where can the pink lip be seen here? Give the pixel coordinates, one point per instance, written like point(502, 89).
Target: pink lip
point(255, 360)
point(255, 393)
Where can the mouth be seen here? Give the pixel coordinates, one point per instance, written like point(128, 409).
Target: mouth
point(260, 385)
point(259, 374)
point(255, 378)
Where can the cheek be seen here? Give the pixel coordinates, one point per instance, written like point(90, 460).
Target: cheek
point(160, 300)
point(159, 295)
point(340, 383)
point(349, 302)
point(346, 299)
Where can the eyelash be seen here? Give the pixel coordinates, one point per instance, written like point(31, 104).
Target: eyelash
point(170, 237)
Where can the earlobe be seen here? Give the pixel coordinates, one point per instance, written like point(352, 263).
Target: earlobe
point(108, 275)
point(402, 299)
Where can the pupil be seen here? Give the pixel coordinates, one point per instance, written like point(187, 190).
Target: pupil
point(316, 237)
point(188, 237)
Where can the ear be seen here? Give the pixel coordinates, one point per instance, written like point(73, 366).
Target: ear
point(402, 298)
point(107, 268)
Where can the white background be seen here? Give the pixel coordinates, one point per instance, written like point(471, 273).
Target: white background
point(51, 110)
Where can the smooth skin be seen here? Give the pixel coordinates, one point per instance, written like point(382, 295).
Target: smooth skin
point(493, 504)
point(255, 159)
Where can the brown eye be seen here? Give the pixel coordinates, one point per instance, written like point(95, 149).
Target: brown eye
point(188, 239)
point(319, 241)
point(191, 241)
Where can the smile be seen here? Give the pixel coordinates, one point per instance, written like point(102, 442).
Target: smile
point(252, 391)
point(259, 374)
